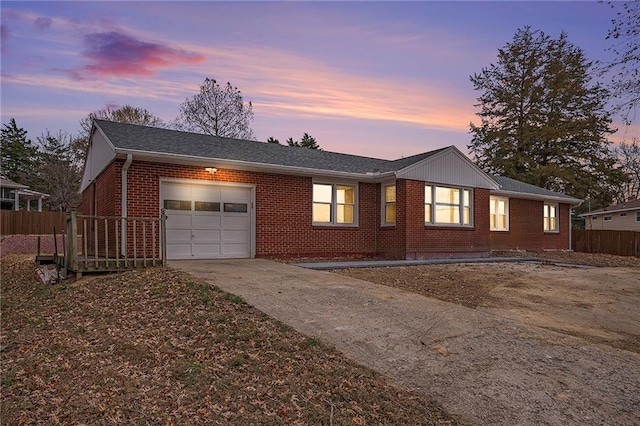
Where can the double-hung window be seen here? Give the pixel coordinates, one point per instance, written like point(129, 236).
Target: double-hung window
point(550, 218)
point(389, 204)
point(447, 206)
point(334, 204)
point(499, 213)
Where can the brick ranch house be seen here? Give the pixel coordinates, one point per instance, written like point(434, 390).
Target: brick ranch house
point(228, 198)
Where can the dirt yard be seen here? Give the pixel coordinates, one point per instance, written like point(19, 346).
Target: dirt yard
point(599, 304)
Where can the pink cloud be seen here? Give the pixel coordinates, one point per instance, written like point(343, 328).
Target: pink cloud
point(114, 54)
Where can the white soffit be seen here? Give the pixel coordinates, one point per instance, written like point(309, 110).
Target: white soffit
point(448, 167)
point(101, 153)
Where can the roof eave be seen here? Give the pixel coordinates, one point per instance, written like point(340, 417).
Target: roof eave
point(249, 166)
point(528, 196)
point(597, 212)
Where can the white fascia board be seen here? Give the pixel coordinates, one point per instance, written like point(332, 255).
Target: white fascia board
point(595, 213)
point(483, 179)
point(247, 166)
point(94, 166)
point(527, 196)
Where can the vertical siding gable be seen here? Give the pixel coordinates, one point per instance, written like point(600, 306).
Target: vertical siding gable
point(449, 167)
point(101, 153)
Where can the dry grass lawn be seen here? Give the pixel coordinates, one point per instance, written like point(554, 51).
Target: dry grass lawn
point(161, 347)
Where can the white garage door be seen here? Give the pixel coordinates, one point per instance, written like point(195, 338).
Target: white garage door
point(207, 221)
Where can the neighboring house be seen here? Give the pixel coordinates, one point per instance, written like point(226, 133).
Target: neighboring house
point(619, 217)
point(237, 198)
point(515, 226)
point(11, 193)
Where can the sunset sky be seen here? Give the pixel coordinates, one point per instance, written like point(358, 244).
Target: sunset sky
point(381, 79)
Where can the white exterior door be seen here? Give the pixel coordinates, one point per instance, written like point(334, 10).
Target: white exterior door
point(207, 221)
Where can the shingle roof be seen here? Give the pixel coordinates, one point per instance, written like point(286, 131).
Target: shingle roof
point(157, 140)
point(512, 185)
point(629, 205)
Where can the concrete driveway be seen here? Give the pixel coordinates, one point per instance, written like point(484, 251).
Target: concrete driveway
point(488, 369)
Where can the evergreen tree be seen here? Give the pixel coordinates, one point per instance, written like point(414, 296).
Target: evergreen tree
point(307, 141)
point(542, 119)
point(273, 140)
point(18, 153)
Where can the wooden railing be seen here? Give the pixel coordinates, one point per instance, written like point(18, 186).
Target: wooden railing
point(112, 243)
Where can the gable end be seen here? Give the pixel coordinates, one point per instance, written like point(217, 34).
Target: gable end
point(448, 167)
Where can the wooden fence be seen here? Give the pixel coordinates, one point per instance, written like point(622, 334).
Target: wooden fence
point(24, 222)
point(621, 243)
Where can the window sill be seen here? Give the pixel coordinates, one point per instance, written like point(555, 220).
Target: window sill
point(552, 232)
point(499, 230)
point(333, 226)
point(449, 227)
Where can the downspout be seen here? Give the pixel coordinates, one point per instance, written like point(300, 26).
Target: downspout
point(123, 208)
point(570, 223)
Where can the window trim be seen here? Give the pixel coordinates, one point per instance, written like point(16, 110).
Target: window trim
point(334, 204)
point(495, 199)
point(461, 206)
point(608, 218)
point(384, 203)
point(623, 214)
point(557, 217)
point(637, 216)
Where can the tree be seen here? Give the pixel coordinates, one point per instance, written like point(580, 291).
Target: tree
point(217, 111)
point(625, 67)
point(628, 155)
point(273, 140)
point(57, 173)
point(307, 141)
point(125, 114)
point(18, 153)
point(542, 119)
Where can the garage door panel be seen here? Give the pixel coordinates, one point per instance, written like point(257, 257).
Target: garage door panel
point(207, 221)
point(236, 222)
point(179, 251)
point(178, 220)
point(232, 249)
point(231, 236)
point(208, 249)
point(179, 234)
point(205, 193)
point(207, 235)
point(236, 195)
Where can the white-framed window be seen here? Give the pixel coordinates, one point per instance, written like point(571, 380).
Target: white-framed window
point(624, 214)
point(389, 204)
point(447, 205)
point(334, 204)
point(607, 218)
point(637, 216)
point(499, 213)
point(594, 217)
point(550, 217)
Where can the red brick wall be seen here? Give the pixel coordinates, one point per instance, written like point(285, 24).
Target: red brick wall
point(283, 210)
point(423, 241)
point(526, 228)
point(284, 214)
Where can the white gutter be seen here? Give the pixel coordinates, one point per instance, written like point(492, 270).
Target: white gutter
point(123, 209)
point(528, 196)
point(249, 166)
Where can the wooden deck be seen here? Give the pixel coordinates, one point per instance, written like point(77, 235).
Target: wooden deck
point(130, 243)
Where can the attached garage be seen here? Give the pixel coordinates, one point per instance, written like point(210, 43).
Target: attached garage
point(208, 221)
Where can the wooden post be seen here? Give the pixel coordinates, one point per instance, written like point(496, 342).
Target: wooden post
point(72, 247)
point(163, 236)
